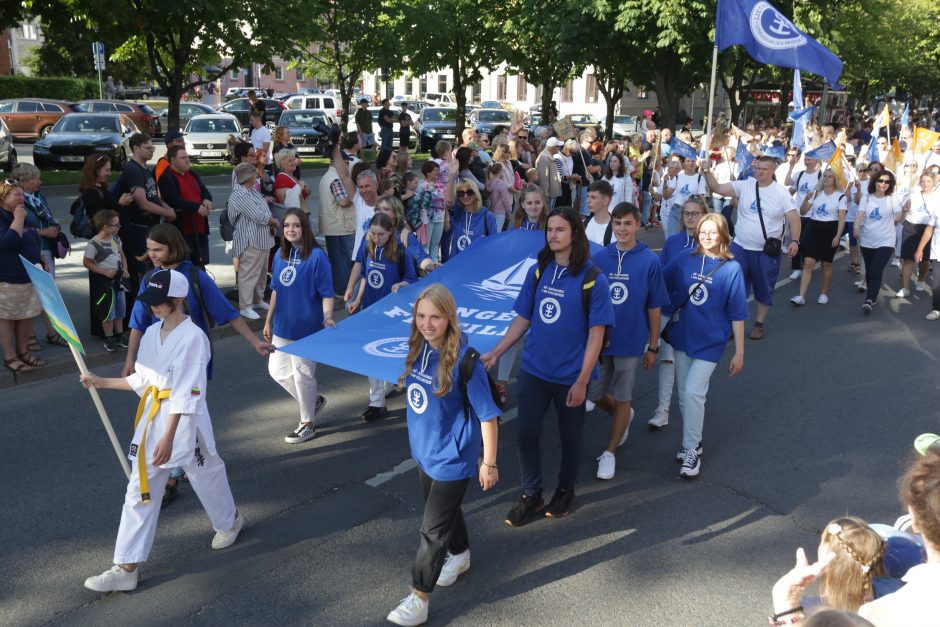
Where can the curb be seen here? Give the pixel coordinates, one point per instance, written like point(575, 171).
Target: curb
point(64, 364)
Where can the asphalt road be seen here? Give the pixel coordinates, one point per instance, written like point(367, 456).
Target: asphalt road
point(818, 425)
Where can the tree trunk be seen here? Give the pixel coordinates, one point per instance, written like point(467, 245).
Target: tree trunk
point(548, 88)
point(460, 93)
point(174, 91)
point(665, 76)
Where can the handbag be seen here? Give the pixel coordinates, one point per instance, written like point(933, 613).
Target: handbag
point(773, 246)
point(61, 246)
point(516, 181)
point(674, 318)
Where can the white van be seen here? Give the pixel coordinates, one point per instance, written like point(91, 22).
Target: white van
point(439, 99)
point(315, 101)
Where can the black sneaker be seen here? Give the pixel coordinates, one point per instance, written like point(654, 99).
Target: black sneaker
point(320, 404)
point(561, 503)
point(303, 433)
point(374, 413)
point(528, 508)
point(110, 344)
point(867, 307)
point(395, 391)
point(122, 339)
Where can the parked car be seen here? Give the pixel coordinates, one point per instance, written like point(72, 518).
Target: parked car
point(32, 118)
point(315, 101)
point(7, 149)
point(439, 99)
point(138, 91)
point(485, 120)
point(584, 121)
point(144, 117)
point(624, 126)
point(435, 124)
point(187, 111)
point(307, 138)
point(209, 136)
point(78, 135)
point(236, 92)
point(351, 126)
point(241, 109)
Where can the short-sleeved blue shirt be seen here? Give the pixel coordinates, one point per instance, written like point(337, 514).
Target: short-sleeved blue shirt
point(301, 284)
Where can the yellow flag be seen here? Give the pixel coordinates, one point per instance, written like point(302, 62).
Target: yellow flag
point(895, 157)
point(884, 118)
point(924, 139)
point(836, 164)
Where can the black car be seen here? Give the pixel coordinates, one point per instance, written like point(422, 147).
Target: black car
point(485, 120)
point(435, 124)
point(241, 109)
point(78, 135)
point(305, 135)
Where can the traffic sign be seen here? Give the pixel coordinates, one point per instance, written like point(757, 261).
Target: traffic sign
point(97, 51)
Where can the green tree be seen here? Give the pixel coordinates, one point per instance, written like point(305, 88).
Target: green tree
point(180, 39)
point(11, 13)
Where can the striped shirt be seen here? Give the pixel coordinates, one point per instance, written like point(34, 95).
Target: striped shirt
point(249, 212)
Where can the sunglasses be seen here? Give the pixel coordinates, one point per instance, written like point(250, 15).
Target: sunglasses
point(11, 182)
point(465, 192)
point(885, 181)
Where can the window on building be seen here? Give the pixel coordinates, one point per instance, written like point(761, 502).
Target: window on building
point(501, 87)
point(567, 92)
point(422, 86)
point(300, 75)
point(442, 83)
point(233, 75)
point(30, 31)
point(375, 84)
point(278, 72)
point(476, 92)
point(409, 85)
point(641, 94)
point(591, 92)
point(521, 87)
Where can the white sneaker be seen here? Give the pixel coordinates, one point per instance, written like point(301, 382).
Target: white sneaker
point(249, 313)
point(660, 418)
point(263, 306)
point(823, 299)
point(588, 406)
point(798, 300)
point(454, 566)
point(626, 431)
point(896, 262)
point(861, 286)
point(115, 579)
point(903, 293)
point(606, 465)
point(795, 275)
point(934, 315)
point(225, 539)
point(920, 286)
point(410, 612)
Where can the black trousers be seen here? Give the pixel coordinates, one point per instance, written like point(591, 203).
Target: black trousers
point(443, 529)
point(936, 285)
point(796, 261)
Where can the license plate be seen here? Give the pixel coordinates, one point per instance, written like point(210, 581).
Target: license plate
point(73, 159)
point(306, 149)
point(211, 153)
point(448, 136)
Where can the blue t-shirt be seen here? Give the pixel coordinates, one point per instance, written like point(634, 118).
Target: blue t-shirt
point(301, 284)
point(704, 324)
point(381, 274)
point(444, 443)
point(558, 333)
point(674, 245)
point(415, 249)
point(636, 285)
point(525, 226)
point(466, 228)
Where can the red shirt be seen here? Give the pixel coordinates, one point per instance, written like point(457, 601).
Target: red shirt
point(192, 222)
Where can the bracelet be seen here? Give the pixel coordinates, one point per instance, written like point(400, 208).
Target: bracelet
point(489, 465)
point(652, 349)
point(793, 620)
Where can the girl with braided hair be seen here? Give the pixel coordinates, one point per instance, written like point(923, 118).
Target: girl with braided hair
point(846, 583)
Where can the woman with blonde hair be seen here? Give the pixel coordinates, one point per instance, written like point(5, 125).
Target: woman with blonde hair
point(446, 438)
point(709, 304)
point(467, 219)
point(289, 189)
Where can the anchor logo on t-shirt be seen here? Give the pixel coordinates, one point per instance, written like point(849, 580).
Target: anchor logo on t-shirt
point(549, 310)
point(417, 398)
point(375, 278)
point(618, 293)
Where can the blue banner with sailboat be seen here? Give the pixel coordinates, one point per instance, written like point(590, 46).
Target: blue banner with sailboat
point(484, 279)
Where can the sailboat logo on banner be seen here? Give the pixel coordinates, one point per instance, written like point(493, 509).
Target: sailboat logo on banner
point(773, 30)
point(505, 284)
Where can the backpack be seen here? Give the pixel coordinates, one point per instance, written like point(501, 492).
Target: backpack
point(81, 227)
point(227, 226)
point(467, 363)
point(587, 287)
point(608, 232)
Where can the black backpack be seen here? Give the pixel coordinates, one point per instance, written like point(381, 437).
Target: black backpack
point(227, 226)
point(587, 287)
point(81, 226)
point(467, 363)
point(608, 232)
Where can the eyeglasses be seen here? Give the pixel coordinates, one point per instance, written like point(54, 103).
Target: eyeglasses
point(884, 181)
point(11, 182)
point(465, 192)
point(114, 226)
point(691, 214)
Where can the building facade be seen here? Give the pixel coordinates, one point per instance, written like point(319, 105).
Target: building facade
point(16, 46)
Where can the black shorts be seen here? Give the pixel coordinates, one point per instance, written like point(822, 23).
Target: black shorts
point(911, 235)
point(817, 242)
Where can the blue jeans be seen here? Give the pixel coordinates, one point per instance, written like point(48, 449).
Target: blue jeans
point(646, 202)
point(535, 394)
point(876, 260)
point(339, 248)
point(435, 232)
point(387, 136)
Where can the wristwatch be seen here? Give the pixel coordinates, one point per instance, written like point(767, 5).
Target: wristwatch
point(652, 349)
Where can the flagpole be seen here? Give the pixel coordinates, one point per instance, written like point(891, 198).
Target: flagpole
point(711, 99)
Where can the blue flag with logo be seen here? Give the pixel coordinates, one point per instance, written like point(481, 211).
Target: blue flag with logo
point(743, 156)
point(906, 116)
point(777, 152)
point(485, 279)
point(769, 37)
point(682, 149)
point(823, 153)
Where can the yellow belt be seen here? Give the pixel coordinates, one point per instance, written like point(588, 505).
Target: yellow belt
point(158, 397)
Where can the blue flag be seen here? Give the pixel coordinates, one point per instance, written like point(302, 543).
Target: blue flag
point(743, 157)
point(799, 123)
point(485, 280)
point(873, 155)
point(769, 37)
point(906, 116)
point(777, 152)
point(823, 153)
point(802, 114)
point(682, 149)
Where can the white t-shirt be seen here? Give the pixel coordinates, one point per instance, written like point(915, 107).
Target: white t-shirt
point(878, 221)
point(781, 172)
point(623, 189)
point(260, 136)
point(826, 207)
point(804, 183)
point(935, 239)
point(595, 231)
point(364, 213)
point(775, 202)
point(725, 172)
point(913, 604)
point(923, 208)
point(688, 185)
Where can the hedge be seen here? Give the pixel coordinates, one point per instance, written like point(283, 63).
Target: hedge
point(58, 88)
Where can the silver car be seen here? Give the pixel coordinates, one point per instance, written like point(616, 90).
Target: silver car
point(209, 137)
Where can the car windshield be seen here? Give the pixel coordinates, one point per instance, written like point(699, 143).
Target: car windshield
point(87, 124)
point(146, 109)
point(440, 115)
point(302, 120)
point(624, 119)
point(212, 125)
point(494, 116)
point(581, 119)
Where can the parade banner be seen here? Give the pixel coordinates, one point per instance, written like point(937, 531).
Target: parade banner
point(777, 152)
point(743, 156)
point(769, 37)
point(824, 152)
point(485, 280)
point(52, 304)
point(682, 149)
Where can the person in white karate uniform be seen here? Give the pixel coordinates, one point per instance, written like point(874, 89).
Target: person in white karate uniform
point(172, 428)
